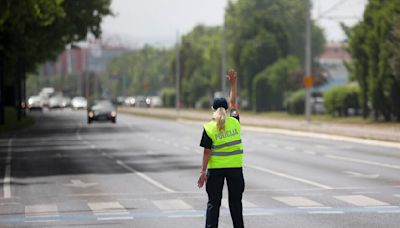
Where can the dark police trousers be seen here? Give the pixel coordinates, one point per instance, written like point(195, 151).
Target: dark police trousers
point(214, 186)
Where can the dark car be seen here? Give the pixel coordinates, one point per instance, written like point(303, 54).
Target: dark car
point(102, 110)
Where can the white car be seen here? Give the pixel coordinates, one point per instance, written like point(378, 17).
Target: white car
point(79, 103)
point(35, 103)
point(56, 102)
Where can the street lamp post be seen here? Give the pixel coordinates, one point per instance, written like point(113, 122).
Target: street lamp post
point(308, 63)
point(177, 73)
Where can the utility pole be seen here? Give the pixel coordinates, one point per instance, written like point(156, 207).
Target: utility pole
point(177, 73)
point(223, 59)
point(307, 77)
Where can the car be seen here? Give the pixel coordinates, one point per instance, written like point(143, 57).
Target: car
point(130, 101)
point(56, 102)
point(155, 101)
point(35, 103)
point(102, 110)
point(78, 103)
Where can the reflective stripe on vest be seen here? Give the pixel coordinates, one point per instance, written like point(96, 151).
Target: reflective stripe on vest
point(227, 148)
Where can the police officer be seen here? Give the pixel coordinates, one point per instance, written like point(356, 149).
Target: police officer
point(223, 158)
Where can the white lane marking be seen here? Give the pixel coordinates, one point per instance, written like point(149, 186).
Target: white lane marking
point(78, 136)
point(297, 201)
point(362, 175)
point(146, 178)
point(93, 146)
point(109, 210)
point(48, 213)
point(386, 165)
point(255, 213)
point(324, 136)
point(175, 204)
point(7, 173)
point(360, 200)
point(389, 212)
point(309, 152)
point(313, 183)
point(397, 195)
point(185, 216)
point(289, 148)
point(321, 147)
point(314, 208)
point(80, 184)
point(245, 203)
point(325, 212)
point(272, 145)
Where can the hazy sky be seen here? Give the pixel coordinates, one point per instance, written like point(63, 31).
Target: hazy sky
point(157, 21)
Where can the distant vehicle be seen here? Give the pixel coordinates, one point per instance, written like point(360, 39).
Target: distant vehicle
point(142, 101)
point(155, 101)
point(102, 110)
point(35, 103)
point(56, 102)
point(66, 102)
point(130, 101)
point(120, 100)
point(49, 91)
point(79, 103)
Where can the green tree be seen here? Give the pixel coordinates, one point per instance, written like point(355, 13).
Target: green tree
point(262, 31)
point(142, 72)
point(272, 84)
point(375, 50)
point(200, 61)
point(32, 31)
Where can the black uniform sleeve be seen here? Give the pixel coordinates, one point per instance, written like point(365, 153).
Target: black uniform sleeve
point(206, 141)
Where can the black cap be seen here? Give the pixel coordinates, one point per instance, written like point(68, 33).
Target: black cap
point(220, 102)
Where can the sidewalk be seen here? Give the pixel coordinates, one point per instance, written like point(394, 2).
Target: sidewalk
point(364, 131)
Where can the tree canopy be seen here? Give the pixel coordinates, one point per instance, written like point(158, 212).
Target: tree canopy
point(260, 32)
point(374, 45)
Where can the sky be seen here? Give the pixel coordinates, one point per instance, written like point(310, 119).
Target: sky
point(157, 22)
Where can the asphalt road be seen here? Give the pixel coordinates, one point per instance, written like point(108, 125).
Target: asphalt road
point(142, 172)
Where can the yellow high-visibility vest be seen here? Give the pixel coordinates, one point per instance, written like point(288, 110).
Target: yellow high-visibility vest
point(227, 148)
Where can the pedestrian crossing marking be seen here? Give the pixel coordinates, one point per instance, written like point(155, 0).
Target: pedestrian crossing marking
point(109, 211)
point(41, 213)
point(245, 204)
point(175, 204)
point(360, 200)
point(297, 201)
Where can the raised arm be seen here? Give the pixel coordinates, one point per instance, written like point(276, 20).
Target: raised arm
point(232, 77)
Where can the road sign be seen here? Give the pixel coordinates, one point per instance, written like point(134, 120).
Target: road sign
point(308, 81)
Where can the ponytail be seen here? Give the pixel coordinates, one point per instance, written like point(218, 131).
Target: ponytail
point(219, 117)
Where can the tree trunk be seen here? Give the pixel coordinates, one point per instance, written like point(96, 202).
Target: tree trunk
point(2, 87)
point(17, 91)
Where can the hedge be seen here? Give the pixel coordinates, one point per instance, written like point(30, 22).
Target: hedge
point(340, 99)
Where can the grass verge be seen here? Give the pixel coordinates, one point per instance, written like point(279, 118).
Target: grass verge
point(11, 122)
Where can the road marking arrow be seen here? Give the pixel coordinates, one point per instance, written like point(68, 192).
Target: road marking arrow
point(361, 175)
point(80, 184)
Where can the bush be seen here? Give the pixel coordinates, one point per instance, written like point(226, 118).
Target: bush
point(340, 99)
point(271, 84)
point(11, 122)
point(261, 91)
point(295, 102)
point(168, 96)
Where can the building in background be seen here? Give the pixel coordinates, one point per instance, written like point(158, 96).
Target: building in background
point(332, 60)
point(84, 63)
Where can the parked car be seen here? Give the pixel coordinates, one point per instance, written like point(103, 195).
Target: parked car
point(79, 103)
point(35, 103)
point(102, 110)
